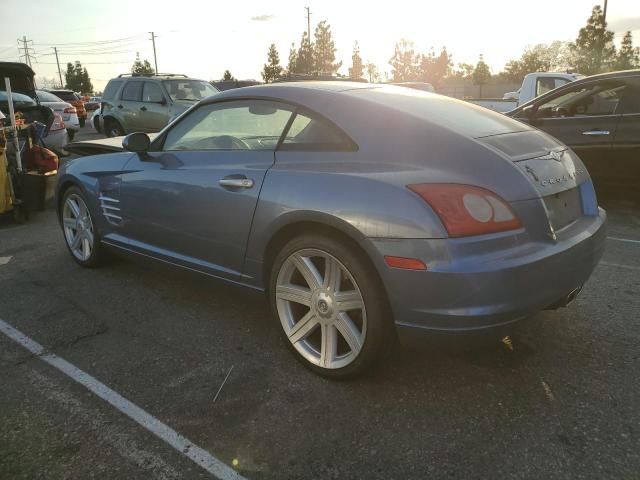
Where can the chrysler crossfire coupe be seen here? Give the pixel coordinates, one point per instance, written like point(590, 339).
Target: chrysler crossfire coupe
point(360, 210)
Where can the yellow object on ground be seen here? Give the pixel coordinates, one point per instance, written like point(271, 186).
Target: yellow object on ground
point(5, 196)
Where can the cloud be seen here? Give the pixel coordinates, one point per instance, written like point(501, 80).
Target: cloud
point(263, 18)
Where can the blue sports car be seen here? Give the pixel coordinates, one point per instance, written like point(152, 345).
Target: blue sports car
point(361, 210)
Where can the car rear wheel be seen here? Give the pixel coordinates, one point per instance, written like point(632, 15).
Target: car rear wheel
point(79, 230)
point(113, 129)
point(329, 305)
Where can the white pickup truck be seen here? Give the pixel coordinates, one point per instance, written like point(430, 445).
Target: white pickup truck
point(533, 85)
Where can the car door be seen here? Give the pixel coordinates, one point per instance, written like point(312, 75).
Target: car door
point(192, 201)
point(585, 118)
point(623, 177)
point(129, 106)
point(154, 110)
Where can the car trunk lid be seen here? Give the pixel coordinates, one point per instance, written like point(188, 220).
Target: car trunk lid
point(555, 170)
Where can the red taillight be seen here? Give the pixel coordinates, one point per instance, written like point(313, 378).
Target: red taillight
point(467, 210)
point(405, 263)
point(70, 110)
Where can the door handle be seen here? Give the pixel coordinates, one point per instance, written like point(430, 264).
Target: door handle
point(120, 106)
point(595, 133)
point(236, 182)
point(143, 108)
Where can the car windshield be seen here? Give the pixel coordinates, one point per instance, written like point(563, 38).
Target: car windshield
point(66, 96)
point(189, 90)
point(47, 97)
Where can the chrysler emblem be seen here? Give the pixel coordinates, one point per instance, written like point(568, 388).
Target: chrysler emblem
point(557, 156)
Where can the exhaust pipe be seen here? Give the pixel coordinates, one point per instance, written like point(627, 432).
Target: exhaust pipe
point(566, 300)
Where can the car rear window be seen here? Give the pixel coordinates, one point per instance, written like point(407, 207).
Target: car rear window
point(66, 96)
point(456, 115)
point(47, 97)
point(309, 132)
point(112, 88)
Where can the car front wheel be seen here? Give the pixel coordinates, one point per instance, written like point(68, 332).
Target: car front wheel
point(330, 306)
point(79, 230)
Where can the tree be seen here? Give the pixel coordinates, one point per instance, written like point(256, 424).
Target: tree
point(324, 50)
point(356, 70)
point(481, 74)
point(304, 63)
point(142, 67)
point(628, 57)
point(404, 63)
point(539, 58)
point(293, 56)
point(77, 78)
point(372, 71)
point(433, 69)
point(463, 71)
point(272, 70)
point(227, 76)
point(593, 50)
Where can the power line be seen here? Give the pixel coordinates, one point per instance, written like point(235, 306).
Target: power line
point(96, 43)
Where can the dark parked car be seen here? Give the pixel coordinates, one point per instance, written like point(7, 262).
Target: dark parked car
point(360, 209)
point(598, 117)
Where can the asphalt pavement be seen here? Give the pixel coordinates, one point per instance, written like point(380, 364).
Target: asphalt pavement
point(556, 399)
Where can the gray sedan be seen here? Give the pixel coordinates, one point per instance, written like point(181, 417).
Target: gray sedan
point(361, 210)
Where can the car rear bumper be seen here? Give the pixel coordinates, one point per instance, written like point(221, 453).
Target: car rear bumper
point(497, 280)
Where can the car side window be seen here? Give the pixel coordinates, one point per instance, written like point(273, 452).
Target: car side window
point(546, 84)
point(232, 125)
point(132, 91)
point(111, 90)
point(631, 102)
point(309, 132)
point(151, 93)
point(591, 100)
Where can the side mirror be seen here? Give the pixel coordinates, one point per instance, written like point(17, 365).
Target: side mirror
point(137, 142)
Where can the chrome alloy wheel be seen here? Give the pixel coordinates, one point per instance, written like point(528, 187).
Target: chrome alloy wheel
point(78, 227)
point(323, 314)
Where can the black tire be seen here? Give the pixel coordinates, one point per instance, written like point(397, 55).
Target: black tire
point(98, 253)
point(96, 124)
point(71, 134)
point(112, 128)
point(82, 122)
point(380, 333)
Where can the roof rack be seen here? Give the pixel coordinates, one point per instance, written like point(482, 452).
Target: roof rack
point(152, 75)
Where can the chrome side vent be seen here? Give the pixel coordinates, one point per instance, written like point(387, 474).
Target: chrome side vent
point(110, 209)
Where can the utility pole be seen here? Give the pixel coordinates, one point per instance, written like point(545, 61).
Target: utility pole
point(25, 46)
point(604, 13)
point(58, 62)
point(155, 59)
point(308, 24)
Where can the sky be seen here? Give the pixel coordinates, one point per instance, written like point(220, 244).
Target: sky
point(203, 38)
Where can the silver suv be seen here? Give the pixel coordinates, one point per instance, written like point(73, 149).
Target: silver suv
point(146, 103)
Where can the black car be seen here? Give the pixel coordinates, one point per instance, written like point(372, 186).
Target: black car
point(599, 118)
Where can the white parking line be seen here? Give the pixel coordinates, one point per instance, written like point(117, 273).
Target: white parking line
point(183, 445)
point(628, 240)
point(619, 265)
